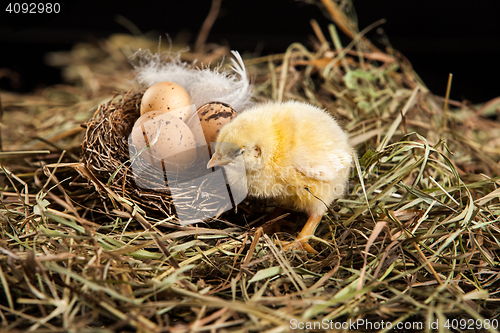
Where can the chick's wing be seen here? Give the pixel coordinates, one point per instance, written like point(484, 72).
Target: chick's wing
point(323, 165)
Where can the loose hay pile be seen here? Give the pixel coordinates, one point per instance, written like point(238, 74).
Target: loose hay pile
point(417, 239)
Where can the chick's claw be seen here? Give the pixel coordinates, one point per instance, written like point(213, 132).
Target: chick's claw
point(302, 241)
point(300, 245)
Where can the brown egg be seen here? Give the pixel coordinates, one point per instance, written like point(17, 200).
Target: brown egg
point(171, 141)
point(166, 96)
point(213, 116)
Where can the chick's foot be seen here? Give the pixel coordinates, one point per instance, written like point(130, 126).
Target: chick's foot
point(302, 241)
point(299, 245)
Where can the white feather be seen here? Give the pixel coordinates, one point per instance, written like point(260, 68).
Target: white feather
point(203, 84)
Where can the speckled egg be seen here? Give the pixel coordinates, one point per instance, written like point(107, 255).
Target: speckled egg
point(165, 96)
point(171, 141)
point(213, 116)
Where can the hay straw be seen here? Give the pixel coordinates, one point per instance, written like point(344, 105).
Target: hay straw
point(80, 251)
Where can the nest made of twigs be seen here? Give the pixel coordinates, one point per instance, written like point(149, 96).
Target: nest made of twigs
point(106, 156)
point(105, 151)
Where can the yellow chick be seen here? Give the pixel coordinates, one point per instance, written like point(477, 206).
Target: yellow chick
point(293, 153)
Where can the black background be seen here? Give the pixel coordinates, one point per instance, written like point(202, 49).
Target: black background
point(437, 36)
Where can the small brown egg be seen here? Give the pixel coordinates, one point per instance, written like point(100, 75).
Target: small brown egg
point(171, 141)
point(165, 96)
point(213, 116)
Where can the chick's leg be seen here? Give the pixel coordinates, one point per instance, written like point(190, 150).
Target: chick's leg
point(307, 231)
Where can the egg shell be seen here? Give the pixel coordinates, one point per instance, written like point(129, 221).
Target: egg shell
point(213, 116)
point(172, 147)
point(165, 96)
point(184, 113)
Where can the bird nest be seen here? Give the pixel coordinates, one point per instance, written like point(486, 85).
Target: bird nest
point(110, 162)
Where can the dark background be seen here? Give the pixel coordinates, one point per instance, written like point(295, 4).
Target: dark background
point(437, 36)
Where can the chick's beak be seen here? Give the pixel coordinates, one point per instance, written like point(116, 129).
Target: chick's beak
point(218, 160)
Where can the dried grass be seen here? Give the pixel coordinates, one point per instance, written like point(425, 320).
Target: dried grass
point(416, 239)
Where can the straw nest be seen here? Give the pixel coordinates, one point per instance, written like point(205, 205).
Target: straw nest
point(416, 240)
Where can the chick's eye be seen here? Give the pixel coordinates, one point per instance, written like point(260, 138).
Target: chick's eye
point(238, 152)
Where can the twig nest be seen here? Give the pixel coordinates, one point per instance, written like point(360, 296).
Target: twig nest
point(105, 154)
point(140, 178)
